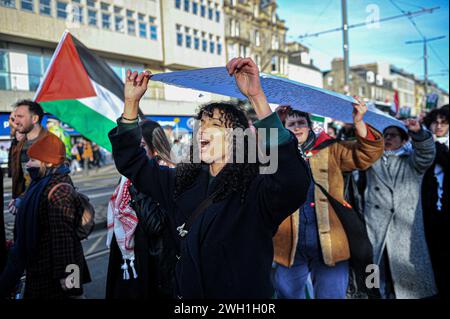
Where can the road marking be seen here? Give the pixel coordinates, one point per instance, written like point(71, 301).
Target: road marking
point(101, 194)
point(98, 233)
point(97, 254)
point(94, 245)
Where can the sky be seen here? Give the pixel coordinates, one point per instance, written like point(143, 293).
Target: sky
point(382, 42)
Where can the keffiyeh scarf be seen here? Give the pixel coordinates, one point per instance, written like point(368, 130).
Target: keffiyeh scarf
point(122, 222)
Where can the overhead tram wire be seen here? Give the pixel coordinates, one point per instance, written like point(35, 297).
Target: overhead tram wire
point(361, 24)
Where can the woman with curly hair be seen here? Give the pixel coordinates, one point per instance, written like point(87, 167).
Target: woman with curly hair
point(223, 210)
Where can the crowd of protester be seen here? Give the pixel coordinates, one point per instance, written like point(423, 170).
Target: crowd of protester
point(339, 202)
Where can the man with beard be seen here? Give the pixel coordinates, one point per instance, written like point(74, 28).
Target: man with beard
point(27, 120)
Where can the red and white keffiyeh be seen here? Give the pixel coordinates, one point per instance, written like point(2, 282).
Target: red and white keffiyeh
point(122, 222)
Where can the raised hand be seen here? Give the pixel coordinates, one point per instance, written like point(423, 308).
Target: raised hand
point(282, 111)
point(136, 85)
point(359, 109)
point(413, 125)
point(134, 90)
point(246, 74)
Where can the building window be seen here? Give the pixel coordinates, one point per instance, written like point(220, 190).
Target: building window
point(202, 10)
point(234, 28)
point(142, 25)
point(118, 20)
point(219, 48)
point(179, 35)
point(210, 13)
point(92, 17)
point(106, 16)
point(118, 24)
point(362, 91)
point(256, 10)
point(274, 64)
point(217, 16)
point(179, 39)
point(61, 10)
point(196, 43)
point(92, 13)
point(257, 38)
point(142, 29)
point(188, 41)
point(204, 45)
point(178, 4)
point(258, 61)
point(8, 4)
point(275, 43)
point(186, 5)
point(104, 6)
point(195, 8)
point(19, 71)
point(77, 10)
point(131, 23)
point(106, 21)
point(153, 28)
point(4, 71)
point(242, 50)
point(45, 7)
point(212, 46)
point(35, 71)
point(27, 5)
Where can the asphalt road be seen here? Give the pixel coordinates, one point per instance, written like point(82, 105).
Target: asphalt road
point(97, 255)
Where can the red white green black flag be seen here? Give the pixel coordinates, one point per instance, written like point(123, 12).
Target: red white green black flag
point(81, 90)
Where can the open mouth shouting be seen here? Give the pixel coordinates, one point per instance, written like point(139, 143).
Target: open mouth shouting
point(204, 144)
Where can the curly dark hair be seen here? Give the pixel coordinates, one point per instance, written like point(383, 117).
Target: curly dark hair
point(234, 177)
point(434, 114)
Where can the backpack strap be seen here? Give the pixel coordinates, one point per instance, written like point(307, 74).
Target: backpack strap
point(54, 188)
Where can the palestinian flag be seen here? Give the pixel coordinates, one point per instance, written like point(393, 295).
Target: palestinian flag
point(81, 90)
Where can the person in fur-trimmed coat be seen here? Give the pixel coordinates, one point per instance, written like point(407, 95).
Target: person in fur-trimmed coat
point(322, 245)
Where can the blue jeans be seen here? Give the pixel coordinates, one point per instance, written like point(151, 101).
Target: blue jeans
point(328, 282)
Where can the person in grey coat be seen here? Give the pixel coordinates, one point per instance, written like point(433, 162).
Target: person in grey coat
point(393, 213)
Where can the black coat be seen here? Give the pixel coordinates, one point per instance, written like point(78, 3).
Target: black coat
point(437, 223)
point(155, 252)
point(228, 251)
